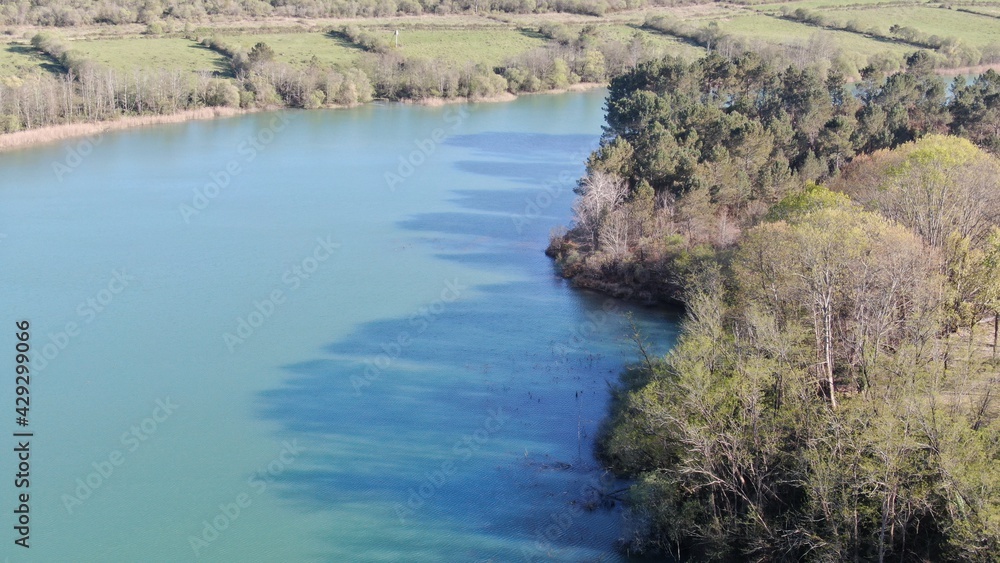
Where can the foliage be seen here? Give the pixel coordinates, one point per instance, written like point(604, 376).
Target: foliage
point(828, 398)
point(717, 142)
point(809, 411)
point(66, 13)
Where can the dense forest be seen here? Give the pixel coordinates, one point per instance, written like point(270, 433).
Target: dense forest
point(695, 152)
point(832, 394)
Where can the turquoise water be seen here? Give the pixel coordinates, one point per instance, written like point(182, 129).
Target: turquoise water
point(351, 347)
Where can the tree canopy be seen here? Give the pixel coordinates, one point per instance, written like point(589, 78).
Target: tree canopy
point(832, 393)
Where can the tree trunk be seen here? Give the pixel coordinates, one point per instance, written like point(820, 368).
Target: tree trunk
point(996, 329)
point(828, 349)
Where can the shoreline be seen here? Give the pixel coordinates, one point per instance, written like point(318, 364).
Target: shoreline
point(55, 133)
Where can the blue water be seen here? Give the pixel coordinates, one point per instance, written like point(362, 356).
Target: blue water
point(370, 356)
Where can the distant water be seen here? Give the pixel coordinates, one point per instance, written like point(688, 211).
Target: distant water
point(405, 377)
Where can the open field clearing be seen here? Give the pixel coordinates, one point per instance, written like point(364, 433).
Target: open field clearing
point(667, 44)
point(486, 46)
point(833, 5)
point(19, 59)
point(693, 13)
point(152, 53)
point(985, 11)
point(774, 30)
point(973, 29)
point(300, 49)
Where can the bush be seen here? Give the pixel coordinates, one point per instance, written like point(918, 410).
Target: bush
point(221, 93)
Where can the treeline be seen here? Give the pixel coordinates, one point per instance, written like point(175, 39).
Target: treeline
point(66, 13)
point(950, 51)
point(364, 39)
point(832, 395)
point(583, 57)
point(977, 13)
point(819, 49)
point(695, 153)
point(947, 51)
point(709, 36)
point(92, 92)
point(88, 91)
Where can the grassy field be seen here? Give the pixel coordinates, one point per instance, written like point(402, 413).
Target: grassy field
point(987, 10)
point(666, 44)
point(974, 29)
point(490, 46)
point(19, 59)
point(828, 5)
point(774, 30)
point(152, 53)
point(492, 38)
point(299, 49)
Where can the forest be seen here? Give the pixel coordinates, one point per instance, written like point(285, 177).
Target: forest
point(832, 394)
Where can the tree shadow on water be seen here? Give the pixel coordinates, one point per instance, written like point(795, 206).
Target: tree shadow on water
point(477, 402)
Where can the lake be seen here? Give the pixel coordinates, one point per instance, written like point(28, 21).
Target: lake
point(312, 336)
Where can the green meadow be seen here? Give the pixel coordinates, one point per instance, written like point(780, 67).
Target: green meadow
point(19, 59)
point(774, 30)
point(666, 44)
point(491, 39)
point(975, 29)
point(168, 53)
point(489, 46)
point(302, 49)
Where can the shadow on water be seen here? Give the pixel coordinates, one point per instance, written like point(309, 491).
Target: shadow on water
point(467, 422)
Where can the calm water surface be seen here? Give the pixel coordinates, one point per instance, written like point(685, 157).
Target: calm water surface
point(316, 361)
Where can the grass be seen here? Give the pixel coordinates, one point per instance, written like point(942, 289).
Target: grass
point(833, 5)
point(20, 59)
point(973, 29)
point(457, 41)
point(299, 49)
point(152, 53)
point(774, 30)
point(494, 38)
point(487, 46)
point(666, 44)
point(988, 10)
